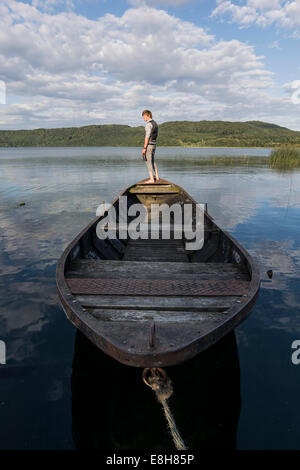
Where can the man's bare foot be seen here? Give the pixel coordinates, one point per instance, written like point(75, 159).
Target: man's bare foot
point(149, 181)
point(157, 178)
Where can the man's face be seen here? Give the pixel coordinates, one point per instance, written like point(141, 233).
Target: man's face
point(146, 117)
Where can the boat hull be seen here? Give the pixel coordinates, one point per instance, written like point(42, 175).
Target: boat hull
point(152, 303)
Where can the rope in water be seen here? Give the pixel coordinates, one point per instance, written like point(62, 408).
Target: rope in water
point(162, 386)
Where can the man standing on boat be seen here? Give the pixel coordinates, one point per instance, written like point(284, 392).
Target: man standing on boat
point(151, 132)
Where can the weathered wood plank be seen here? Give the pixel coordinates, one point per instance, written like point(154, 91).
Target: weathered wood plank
point(154, 189)
point(176, 257)
point(161, 302)
point(148, 252)
point(152, 252)
point(73, 274)
point(168, 335)
point(158, 241)
point(156, 287)
point(153, 269)
point(156, 315)
point(117, 265)
point(155, 249)
point(157, 244)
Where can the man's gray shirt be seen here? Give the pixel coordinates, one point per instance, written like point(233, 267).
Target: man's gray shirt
point(148, 129)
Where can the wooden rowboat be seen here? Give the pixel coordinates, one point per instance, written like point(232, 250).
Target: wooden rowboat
point(153, 302)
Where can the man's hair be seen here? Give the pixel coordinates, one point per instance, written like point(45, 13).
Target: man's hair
point(147, 112)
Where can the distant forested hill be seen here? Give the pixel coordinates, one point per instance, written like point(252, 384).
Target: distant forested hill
point(176, 133)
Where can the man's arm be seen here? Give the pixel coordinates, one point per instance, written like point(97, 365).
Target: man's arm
point(146, 142)
point(147, 137)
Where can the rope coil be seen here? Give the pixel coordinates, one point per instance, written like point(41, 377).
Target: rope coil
point(161, 384)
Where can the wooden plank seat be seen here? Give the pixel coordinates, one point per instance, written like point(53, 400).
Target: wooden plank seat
point(115, 269)
point(154, 189)
point(173, 287)
point(162, 303)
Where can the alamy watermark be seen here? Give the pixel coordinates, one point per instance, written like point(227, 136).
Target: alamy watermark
point(182, 221)
point(2, 352)
point(296, 354)
point(2, 92)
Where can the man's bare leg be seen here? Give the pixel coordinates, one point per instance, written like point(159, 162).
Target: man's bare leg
point(150, 166)
point(156, 172)
point(151, 178)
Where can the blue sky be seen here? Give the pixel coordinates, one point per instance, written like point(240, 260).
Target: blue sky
point(69, 63)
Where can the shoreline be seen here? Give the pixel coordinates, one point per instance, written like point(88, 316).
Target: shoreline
point(136, 147)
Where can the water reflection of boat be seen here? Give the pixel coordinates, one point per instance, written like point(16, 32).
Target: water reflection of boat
point(113, 409)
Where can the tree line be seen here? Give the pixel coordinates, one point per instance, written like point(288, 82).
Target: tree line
point(175, 133)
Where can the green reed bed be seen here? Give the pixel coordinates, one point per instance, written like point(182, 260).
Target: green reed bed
point(233, 161)
point(285, 157)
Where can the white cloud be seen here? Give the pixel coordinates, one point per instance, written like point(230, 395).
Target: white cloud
point(264, 4)
point(162, 3)
point(240, 14)
point(67, 69)
point(293, 90)
point(283, 13)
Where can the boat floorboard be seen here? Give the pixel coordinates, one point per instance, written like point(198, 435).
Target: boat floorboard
point(115, 269)
point(156, 287)
point(160, 250)
point(145, 302)
point(169, 335)
point(156, 315)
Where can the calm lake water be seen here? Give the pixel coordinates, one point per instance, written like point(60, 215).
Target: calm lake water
point(243, 393)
